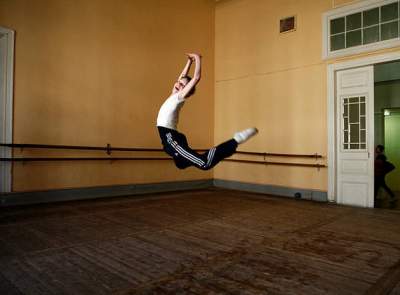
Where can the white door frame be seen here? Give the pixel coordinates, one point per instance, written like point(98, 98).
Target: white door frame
point(7, 99)
point(331, 71)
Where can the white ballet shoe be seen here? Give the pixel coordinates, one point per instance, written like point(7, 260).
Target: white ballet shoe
point(245, 135)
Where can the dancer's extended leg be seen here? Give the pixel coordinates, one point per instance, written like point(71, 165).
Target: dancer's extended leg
point(176, 145)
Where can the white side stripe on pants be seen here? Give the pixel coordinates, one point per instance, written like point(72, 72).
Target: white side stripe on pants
point(183, 152)
point(210, 156)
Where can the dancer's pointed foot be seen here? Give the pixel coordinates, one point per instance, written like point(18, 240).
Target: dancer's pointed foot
point(243, 136)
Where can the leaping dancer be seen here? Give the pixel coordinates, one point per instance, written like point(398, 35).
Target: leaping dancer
point(175, 143)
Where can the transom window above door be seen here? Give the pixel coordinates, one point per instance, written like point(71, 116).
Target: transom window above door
point(366, 26)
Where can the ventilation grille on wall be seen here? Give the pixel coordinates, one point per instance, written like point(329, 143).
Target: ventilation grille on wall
point(288, 24)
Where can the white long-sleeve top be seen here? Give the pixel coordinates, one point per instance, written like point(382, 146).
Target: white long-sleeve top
point(168, 115)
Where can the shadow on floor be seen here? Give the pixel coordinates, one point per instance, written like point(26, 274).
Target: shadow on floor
point(384, 201)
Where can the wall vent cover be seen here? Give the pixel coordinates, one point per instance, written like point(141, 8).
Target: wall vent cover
point(288, 24)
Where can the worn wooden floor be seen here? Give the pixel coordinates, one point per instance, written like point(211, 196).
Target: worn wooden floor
point(200, 242)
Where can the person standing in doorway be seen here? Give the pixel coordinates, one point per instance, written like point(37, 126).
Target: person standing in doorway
point(382, 167)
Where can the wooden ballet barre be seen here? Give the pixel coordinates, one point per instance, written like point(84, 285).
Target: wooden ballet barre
point(281, 155)
point(77, 147)
point(50, 159)
point(277, 163)
point(108, 148)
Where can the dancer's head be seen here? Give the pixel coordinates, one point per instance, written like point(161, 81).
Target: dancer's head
point(182, 82)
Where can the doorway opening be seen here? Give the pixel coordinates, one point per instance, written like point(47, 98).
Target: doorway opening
point(351, 170)
point(387, 133)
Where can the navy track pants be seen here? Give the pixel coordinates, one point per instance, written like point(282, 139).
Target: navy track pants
point(175, 144)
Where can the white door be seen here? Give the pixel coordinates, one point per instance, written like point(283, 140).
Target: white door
point(6, 90)
point(355, 138)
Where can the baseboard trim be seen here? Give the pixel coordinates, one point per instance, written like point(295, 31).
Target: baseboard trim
point(305, 194)
point(29, 198)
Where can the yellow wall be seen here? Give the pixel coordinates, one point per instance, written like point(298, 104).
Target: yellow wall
point(276, 82)
point(95, 72)
point(338, 3)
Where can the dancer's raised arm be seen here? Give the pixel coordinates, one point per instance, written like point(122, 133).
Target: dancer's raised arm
point(186, 69)
point(186, 91)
